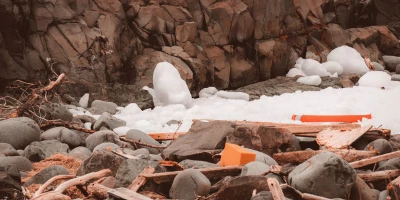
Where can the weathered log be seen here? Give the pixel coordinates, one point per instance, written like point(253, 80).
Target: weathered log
point(98, 190)
point(338, 139)
point(49, 182)
point(140, 180)
point(216, 172)
point(379, 175)
point(375, 159)
point(275, 189)
point(296, 157)
point(82, 180)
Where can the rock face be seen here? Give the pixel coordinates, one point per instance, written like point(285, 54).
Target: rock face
point(325, 175)
point(19, 132)
point(111, 47)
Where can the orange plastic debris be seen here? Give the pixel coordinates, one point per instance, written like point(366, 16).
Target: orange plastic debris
point(331, 118)
point(166, 136)
point(234, 155)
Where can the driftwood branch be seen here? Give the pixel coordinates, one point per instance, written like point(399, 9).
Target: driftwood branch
point(49, 182)
point(379, 175)
point(375, 159)
point(123, 193)
point(123, 138)
point(216, 172)
point(98, 190)
point(305, 196)
point(69, 125)
point(82, 180)
point(301, 156)
point(275, 189)
point(140, 180)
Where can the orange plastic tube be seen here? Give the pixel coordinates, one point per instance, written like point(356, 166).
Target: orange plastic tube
point(331, 118)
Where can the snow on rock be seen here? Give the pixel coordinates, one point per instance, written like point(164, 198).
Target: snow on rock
point(207, 92)
point(312, 67)
point(375, 79)
point(333, 67)
point(335, 75)
point(295, 72)
point(84, 101)
point(233, 95)
point(121, 131)
point(131, 109)
point(169, 87)
point(310, 80)
point(349, 59)
point(300, 61)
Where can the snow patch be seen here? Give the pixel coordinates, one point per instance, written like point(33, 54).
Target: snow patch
point(233, 95)
point(295, 72)
point(310, 80)
point(349, 59)
point(375, 79)
point(333, 67)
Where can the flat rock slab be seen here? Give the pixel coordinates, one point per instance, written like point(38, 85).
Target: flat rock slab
point(338, 139)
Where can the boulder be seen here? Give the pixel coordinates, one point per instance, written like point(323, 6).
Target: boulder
point(131, 168)
point(19, 162)
point(396, 77)
point(378, 66)
point(106, 146)
point(99, 137)
point(391, 62)
point(57, 111)
point(201, 136)
point(100, 160)
point(8, 150)
point(80, 153)
point(398, 69)
point(19, 132)
point(361, 190)
point(141, 151)
point(381, 145)
point(104, 106)
point(63, 135)
point(325, 174)
point(141, 136)
point(264, 195)
point(45, 174)
point(384, 195)
point(277, 177)
point(262, 157)
point(255, 168)
point(335, 36)
point(390, 164)
point(196, 164)
point(109, 121)
point(241, 187)
point(186, 32)
point(38, 151)
point(10, 180)
point(189, 184)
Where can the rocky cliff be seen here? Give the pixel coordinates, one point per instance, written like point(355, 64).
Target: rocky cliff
point(110, 48)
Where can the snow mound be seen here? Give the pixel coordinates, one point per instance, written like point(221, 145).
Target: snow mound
point(312, 67)
point(84, 101)
point(233, 95)
point(169, 87)
point(131, 109)
point(310, 80)
point(349, 59)
point(333, 67)
point(375, 79)
point(295, 72)
point(207, 92)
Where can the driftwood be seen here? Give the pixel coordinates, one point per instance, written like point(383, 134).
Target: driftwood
point(379, 175)
point(49, 182)
point(124, 193)
point(394, 188)
point(98, 190)
point(337, 139)
point(275, 189)
point(216, 172)
point(69, 125)
point(375, 159)
point(123, 138)
point(140, 180)
point(296, 157)
point(305, 196)
point(36, 94)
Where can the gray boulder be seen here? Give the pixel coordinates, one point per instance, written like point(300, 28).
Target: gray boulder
point(378, 66)
point(63, 135)
point(383, 146)
point(10, 181)
point(19, 162)
point(8, 150)
point(105, 106)
point(398, 69)
point(141, 136)
point(131, 168)
point(262, 157)
point(255, 168)
point(264, 195)
point(38, 151)
point(19, 132)
point(95, 111)
point(21, 152)
point(396, 77)
point(105, 146)
point(101, 137)
point(189, 184)
point(325, 174)
point(361, 190)
point(272, 175)
point(391, 62)
point(58, 111)
point(100, 160)
point(156, 157)
point(108, 121)
point(80, 153)
point(383, 195)
point(141, 151)
point(393, 163)
point(47, 173)
point(196, 164)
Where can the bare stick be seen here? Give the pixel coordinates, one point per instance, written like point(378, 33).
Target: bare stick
point(275, 189)
point(69, 125)
point(54, 83)
point(123, 138)
point(375, 159)
point(50, 181)
point(82, 180)
point(379, 175)
point(140, 180)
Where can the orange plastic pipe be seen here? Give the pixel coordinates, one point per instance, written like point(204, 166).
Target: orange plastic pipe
point(331, 118)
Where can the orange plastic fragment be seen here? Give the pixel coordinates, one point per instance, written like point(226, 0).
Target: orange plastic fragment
point(166, 136)
point(331, 118)
point(234, 155)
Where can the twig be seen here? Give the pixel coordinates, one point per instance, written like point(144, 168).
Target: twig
point(379, 175)
point(49, 182)
point(82, 180)
point(69, 125)
point(141, 143)
point(275, 189)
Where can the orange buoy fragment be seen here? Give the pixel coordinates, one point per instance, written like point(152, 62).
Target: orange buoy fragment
point(234, 155)
point(331, 118)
